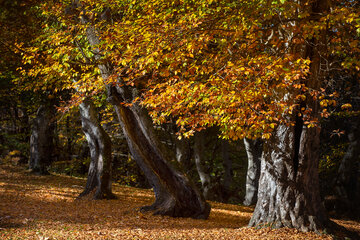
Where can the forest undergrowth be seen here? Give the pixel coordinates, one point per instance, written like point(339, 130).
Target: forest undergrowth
point(44, 207)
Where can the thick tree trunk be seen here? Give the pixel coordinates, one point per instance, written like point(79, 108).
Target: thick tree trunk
point(253, 150)
point(41, 140)
point(99, 175)
point(289, 193)
point(175, 195)
point(288, 189)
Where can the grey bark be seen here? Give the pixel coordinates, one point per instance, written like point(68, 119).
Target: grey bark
point(199, 150)
point(99, 142)
point(41, 140)
point(289, 193)
point(289, 188)
point(254, 151)
point(183, 153)
point(175, 195)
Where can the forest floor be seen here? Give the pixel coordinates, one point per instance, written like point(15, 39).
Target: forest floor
point(44, 207)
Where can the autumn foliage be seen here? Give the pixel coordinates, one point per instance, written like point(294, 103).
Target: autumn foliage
point(249, 68)
point(238, 65)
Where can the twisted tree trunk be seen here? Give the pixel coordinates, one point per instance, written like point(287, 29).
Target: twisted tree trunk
point(288, 189)
point(99, 175)
point(175, 195)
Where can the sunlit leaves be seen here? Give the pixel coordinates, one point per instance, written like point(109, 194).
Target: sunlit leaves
point(240, 65)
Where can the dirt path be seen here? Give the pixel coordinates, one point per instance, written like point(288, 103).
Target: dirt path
point(43, 207)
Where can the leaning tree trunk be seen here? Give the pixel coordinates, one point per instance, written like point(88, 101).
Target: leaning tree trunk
point(175, 195)
point(99, 175)
point(41, 140)
point(253, 151)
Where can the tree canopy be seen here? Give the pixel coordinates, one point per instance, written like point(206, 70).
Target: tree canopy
point(239, 65)
point(253, 69)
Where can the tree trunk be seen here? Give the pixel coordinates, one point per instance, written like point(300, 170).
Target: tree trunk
point(41, 140)
point(347, 183)
point(289, 193)
point(99, 175)
point(69, 139)
point(199, 150)
point(228, 171)
point(183, 153)
point(175, 195)
point(288, 189)
point(253, 151)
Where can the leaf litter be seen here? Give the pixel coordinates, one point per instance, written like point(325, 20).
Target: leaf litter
point(44, 207)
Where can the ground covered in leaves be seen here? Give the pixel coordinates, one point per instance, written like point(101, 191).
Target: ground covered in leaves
point(44, 207)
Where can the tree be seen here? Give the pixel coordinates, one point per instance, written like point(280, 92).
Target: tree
point(253, 68)
point(175, 194)
point(42, 139)
point(256, 69)
point(99, 175)
point(199, 155)
point(17, 107)
point(253, 151)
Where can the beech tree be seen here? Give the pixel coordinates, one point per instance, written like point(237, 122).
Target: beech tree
point(42, 139)
point(76, 34)
point(17, 107)
point(254, 151)
point(99, 175)
point(256, 69)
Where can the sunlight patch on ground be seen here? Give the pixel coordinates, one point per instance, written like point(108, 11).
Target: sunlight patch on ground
point(44, 207)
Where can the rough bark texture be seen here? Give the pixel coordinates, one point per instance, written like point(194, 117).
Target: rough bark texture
point(41, 140)
point(175, 195)
point(347, 183)
point(254, 151)
point(99, 175)
point(199, 150)
point(288, 189)
point(289, 186)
